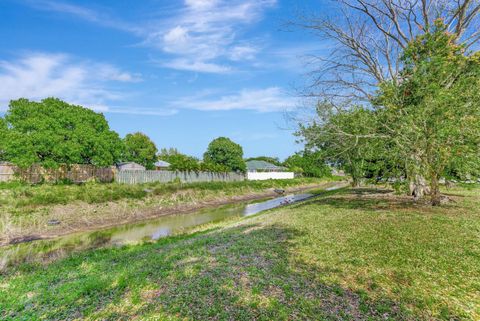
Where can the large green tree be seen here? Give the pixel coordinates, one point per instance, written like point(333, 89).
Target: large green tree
point(432, 112)
point(367, 41)
point(222, 151)
point(140, 149)
point(52, 132)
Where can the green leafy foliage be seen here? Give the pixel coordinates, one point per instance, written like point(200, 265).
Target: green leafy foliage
point(3, 138)
point(179, 161)
point(140, 149)
point(52, 132)
point(345, 140)
point(308, 163)
point(432, 114)
point(224, 152)
point(212, 167)
point(182, 162)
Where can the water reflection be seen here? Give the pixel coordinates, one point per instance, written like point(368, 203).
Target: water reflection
point(136, 233)
point(252, 209)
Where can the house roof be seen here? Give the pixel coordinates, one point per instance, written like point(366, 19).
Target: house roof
point(162, 163)
point(128, 163)
point(255, 165)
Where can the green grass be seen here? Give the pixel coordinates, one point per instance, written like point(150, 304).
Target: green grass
point(23, 195)
point(347, 255)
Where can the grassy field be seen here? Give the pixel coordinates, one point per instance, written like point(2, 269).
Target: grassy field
point(25, 210)
point(359, 254)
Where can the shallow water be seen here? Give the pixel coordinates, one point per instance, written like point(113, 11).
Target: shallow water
point(174, 224)
point(135, 233)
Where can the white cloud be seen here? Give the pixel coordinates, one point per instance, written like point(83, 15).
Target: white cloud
point(206, 34)
point(243, 52)
point(200, 36)
point(38, 75)
point(108, 72)
point(271, 99)
point(197, 66)
point(201, 4)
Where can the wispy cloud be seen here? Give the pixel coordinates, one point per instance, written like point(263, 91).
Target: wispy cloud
point(205, 34)
point(262, 100)
point(199, 35)
point(39, 75)
point(84, 13)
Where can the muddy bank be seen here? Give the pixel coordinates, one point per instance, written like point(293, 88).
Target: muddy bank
point(82, 217)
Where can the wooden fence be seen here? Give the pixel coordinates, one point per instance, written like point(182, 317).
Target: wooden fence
point(7, 172)
point(83, 173)
point(74, 173)
point(140, 177)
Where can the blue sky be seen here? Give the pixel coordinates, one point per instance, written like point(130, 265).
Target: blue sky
point(183, 72)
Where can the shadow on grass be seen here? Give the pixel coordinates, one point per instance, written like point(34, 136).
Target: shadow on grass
point(370, 199)
point(240, 273)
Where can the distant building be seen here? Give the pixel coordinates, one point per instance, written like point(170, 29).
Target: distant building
point(262, 170)
point(263, 166)
point(130, 166)
point(162, 165)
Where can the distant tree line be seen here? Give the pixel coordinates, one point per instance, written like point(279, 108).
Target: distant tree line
point(222, 155)
point(52, 133)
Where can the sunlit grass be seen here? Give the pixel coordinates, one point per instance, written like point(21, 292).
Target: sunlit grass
point(22, 195)
point(348, 255)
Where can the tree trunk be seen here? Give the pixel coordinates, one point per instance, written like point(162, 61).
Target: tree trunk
point(435, 196)
point(418, 187)
point(355, 182)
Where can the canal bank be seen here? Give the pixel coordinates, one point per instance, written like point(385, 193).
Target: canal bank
point(47, 211)
point(47, 248)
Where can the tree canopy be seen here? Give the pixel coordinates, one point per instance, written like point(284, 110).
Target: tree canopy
point(308, 163)
point(52, 132)
point(224, 152)
point(432, 114)
point(345, 139)
point(422, 125)
point(140, 149)
point(401, 91)
point(179, 161)
point(182, 162)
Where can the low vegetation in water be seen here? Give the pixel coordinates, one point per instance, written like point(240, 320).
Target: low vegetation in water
point(351, 254)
